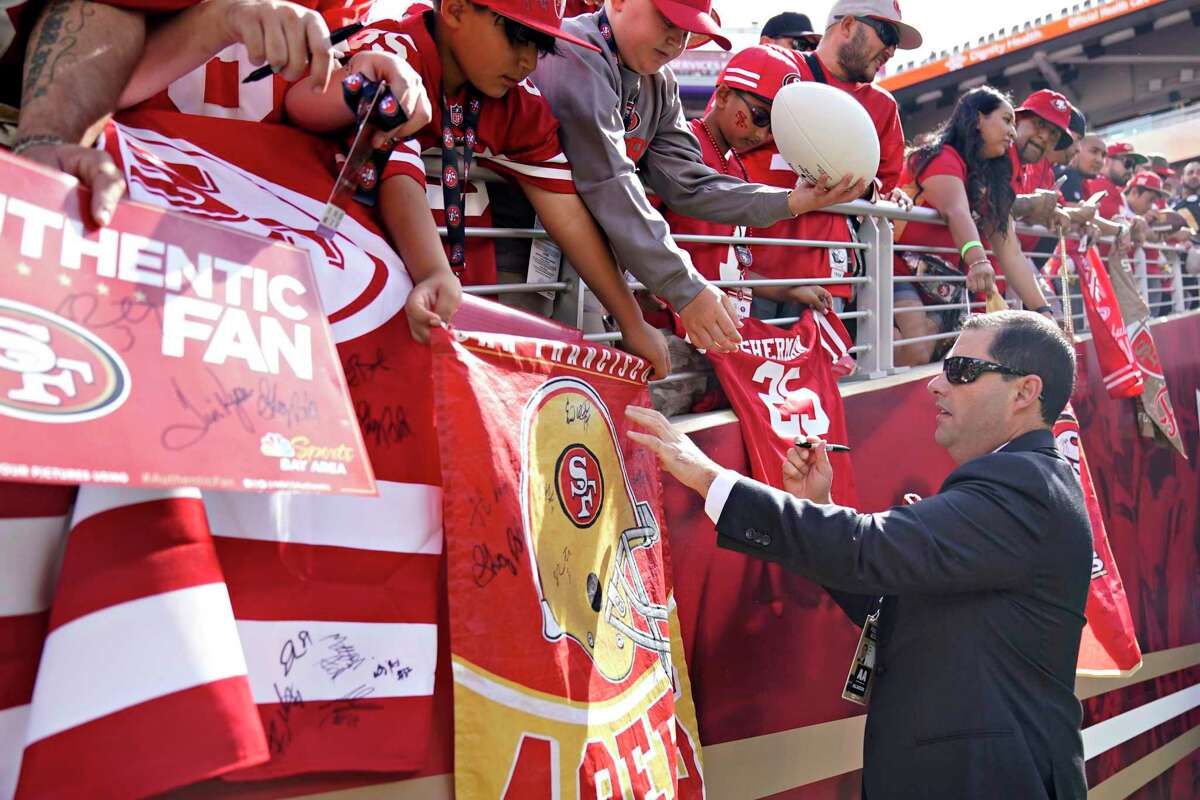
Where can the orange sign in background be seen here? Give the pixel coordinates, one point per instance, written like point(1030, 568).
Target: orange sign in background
point(1016, 41)
point(162, 351)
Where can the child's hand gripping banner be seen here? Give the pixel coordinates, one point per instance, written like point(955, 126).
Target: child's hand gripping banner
point(558, 576)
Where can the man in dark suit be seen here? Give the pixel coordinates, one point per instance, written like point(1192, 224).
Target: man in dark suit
point(983, 584)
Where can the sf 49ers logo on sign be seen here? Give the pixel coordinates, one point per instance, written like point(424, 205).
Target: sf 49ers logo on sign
point(580, 485)
point(52, 370)
point(794, 412)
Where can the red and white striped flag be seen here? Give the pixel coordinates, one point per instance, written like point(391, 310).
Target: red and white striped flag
point(33, 524)
point(142, 684)
point(336, 602)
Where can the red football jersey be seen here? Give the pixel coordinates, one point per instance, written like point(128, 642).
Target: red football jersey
point(713, 261)
point(783, 384)
point(946, 162)
point(1039, 175)
point(517, 137)
point(215, 89)
point(1112, 205)
point(766, 165)
point(1030, 178)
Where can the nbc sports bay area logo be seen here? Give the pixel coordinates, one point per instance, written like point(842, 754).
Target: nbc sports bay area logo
point(299, 454)
point(54, 370)
point(580, 485)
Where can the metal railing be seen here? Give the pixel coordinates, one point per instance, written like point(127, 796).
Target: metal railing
point(875, 344)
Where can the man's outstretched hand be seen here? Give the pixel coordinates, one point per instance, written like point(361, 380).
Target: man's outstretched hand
point(94, 169)
point(677, 453)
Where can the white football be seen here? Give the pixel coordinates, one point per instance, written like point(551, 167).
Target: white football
point(822, 129)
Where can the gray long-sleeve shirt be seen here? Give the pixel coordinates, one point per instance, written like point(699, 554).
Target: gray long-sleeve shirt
point(588, 92)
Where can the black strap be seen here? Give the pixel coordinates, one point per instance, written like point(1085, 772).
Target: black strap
point(610, 39)
point(814, 65)
point(454, 176)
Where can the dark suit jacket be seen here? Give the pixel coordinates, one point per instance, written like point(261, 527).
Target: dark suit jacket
point(985, 586)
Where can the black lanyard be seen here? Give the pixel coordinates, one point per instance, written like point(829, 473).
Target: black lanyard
point(453, 176)
point(814, 65)
point(606, 33)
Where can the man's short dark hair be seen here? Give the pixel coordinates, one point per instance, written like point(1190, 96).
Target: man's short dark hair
point(1031, 343)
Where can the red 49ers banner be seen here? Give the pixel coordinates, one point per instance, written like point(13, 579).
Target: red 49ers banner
point(1108, 647)
point(562, 623)
point(162, 351)
point(1156, 416)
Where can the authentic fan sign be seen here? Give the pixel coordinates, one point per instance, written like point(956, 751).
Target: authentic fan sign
point(162, 351)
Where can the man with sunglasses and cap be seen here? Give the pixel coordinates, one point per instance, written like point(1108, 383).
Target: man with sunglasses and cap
point(791, 31)
point(979, 590)
point(621, 122)
point(861, 36)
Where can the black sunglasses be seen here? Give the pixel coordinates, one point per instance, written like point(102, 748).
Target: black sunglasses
point(802, 45)
point(761, 117)
point(887, 32)
point(1130, 163)
point(964, 369)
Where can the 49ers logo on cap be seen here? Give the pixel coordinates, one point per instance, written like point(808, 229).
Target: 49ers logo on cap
point(53, 370)
point(1059, 104)
point(580, 485)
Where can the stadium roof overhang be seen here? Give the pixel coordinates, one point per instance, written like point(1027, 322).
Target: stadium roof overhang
point(1115, 59)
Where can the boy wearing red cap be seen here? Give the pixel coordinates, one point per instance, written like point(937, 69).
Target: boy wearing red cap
point(621, 116)
point(1142, 194)
point(738, 120)
point(473, 60)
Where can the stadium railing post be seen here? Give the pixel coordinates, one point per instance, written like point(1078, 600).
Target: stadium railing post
point(1177, 303)
point(875, 298)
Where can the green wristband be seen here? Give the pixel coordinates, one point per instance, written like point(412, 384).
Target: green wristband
point(973, 243)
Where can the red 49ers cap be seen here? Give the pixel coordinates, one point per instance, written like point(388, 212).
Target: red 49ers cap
point(1147, 180)
point(693, 16)
point(1123, 148)
point(761, 70)
point(541, 15)
point(1055, 109)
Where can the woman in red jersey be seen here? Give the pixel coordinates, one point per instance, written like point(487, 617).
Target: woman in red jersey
point(966, 174)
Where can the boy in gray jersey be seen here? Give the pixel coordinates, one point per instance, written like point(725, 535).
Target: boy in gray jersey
point(620, 115)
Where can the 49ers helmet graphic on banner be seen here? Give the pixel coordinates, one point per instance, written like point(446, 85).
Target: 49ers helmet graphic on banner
point(583, 528)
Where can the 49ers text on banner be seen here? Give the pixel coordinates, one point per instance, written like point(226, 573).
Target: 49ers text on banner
point(161, 351)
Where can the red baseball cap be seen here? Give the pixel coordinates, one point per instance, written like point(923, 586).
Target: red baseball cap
point(541, 15)
point(1147, 180)
point(693, 16)
point(1055, 109)
point(761, 70)
point(1124, 148)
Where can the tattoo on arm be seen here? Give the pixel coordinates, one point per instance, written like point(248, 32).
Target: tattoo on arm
point(54, 45)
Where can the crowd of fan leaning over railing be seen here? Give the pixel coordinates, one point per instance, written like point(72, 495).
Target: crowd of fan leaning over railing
point(576, 122)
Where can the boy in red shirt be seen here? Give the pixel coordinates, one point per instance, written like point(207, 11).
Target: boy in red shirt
point(737, 121)
point(473, 59)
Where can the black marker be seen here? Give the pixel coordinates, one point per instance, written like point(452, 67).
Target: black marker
point(829, 448)
point(337, 37)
